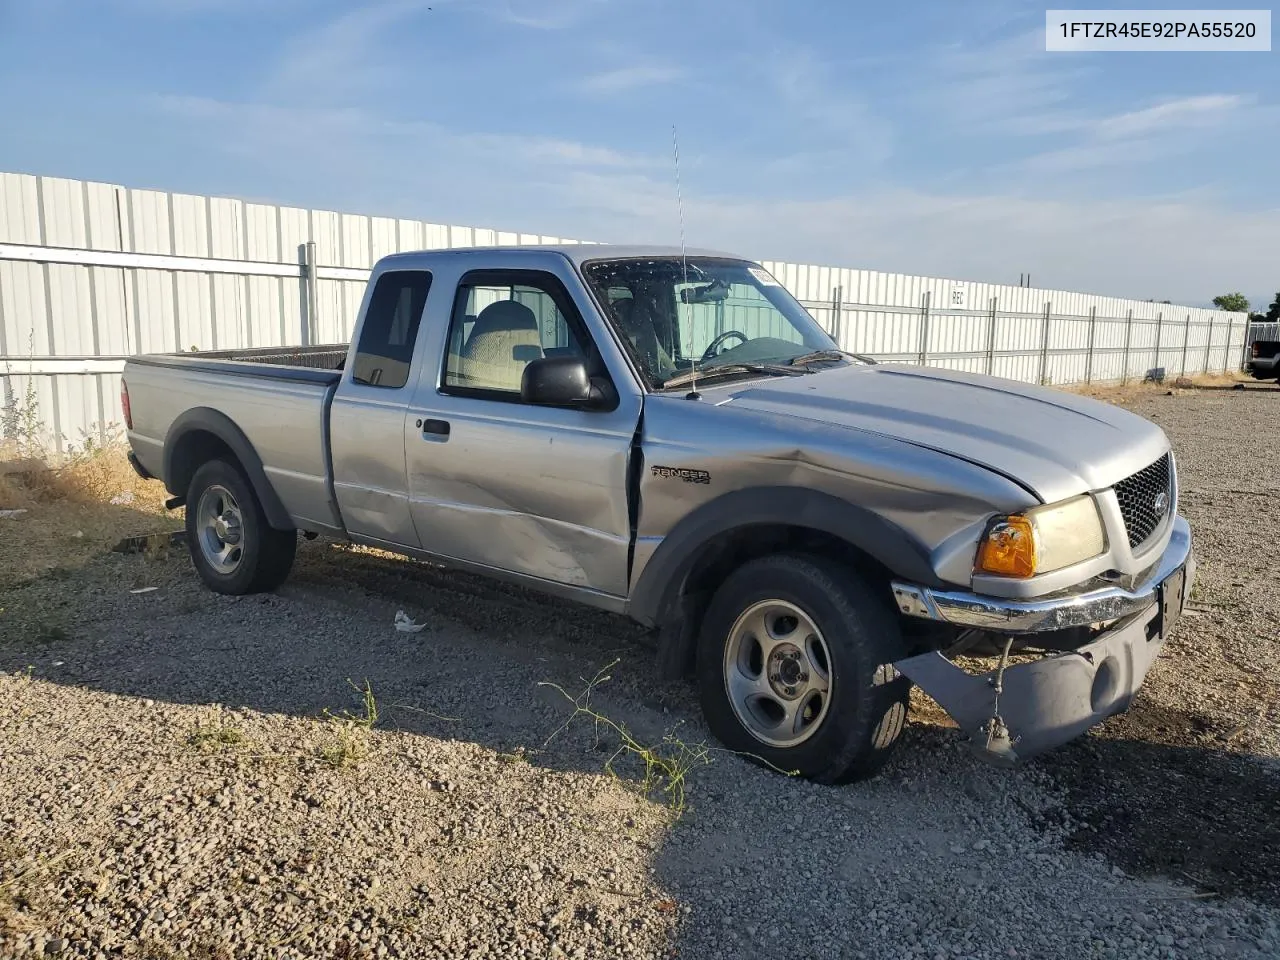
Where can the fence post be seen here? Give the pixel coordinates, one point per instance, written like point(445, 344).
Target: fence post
point(1159, 331)
point(310, 316)
point(924, 327)
point(1088, 360)
point(1208, 345)
point(1044, 342)
point(1244, 346)
point(837, 318)
point(1128, 339)
point(991, 337)
point(1186, 335)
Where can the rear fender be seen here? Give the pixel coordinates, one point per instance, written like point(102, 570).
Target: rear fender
point(183, 456)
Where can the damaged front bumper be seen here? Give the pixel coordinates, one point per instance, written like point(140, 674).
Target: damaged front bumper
point(1021, 710)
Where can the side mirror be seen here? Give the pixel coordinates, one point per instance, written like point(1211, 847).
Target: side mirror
point(565, 382)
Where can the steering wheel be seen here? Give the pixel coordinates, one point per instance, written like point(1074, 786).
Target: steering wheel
point(713, 348)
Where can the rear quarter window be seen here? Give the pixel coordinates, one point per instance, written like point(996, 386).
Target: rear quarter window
point(384, 352)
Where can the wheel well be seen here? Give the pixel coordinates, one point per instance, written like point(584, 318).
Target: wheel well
point(194, 449)
point(728, 551)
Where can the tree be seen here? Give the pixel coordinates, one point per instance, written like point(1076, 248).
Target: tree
point(1232, 302)
point(1273, 311)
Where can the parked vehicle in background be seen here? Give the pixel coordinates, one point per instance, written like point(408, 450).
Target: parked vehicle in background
point(1263, 355)
point(674, 438)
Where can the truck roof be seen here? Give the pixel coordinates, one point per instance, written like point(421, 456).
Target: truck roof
point(578, 253)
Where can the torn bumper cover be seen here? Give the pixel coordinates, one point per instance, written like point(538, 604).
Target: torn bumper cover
point(1032, 707)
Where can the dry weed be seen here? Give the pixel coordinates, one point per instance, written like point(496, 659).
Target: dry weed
point(75, 508)
point(1136, 387)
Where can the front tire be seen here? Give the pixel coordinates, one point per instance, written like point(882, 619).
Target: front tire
point(794, 669)
point(234, 549)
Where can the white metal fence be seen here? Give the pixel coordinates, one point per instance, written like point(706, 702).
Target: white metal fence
point(1264, 331)
point(93, 272)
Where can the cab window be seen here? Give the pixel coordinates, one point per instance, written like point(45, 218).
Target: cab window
point(385, 350)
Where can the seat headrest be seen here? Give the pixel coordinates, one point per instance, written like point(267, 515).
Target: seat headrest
point(504, 315)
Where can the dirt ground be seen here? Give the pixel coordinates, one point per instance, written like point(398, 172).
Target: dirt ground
point(189, 775)
point(1172, 786)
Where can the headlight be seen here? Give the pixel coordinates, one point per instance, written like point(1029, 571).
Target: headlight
point(1042, 540)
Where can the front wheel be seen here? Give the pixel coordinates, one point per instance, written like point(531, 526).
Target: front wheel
point(794, 669)
point(234, 549)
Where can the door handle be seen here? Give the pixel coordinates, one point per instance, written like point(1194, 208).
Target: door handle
point(435, 429)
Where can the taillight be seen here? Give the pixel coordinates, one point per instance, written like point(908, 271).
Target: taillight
point(1255, 351)
point(124, 405)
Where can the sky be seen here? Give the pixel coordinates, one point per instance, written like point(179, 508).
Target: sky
point(935, 138)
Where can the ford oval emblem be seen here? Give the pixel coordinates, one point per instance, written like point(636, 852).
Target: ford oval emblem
point(1161, 503)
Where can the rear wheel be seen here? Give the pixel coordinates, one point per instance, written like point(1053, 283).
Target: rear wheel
point(794, 669)
point(234, 549)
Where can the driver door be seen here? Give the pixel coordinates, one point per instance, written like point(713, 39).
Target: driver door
point(511, 486)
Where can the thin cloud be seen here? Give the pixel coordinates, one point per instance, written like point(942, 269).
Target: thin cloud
point(1005, 84)
point(542, 14)
point(338, 60)
point(839, 121)
point(262, 126)
point(1180, 247)
point(1137, 137)
point(624, 79)
point(1185, 112)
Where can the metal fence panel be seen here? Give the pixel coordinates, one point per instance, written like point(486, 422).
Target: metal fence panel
point(70, 313)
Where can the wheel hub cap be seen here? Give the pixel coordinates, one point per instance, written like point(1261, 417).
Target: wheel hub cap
point(227, 528)
point(777, 673)
point(220, 529)
point(787, 671)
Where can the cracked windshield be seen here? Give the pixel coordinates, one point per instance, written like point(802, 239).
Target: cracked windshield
point(717, 314)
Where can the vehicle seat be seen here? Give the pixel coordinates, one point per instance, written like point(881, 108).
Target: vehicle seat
point(636, 321)
point(503, 340)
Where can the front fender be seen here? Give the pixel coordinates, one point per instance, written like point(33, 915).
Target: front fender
point(656, 594)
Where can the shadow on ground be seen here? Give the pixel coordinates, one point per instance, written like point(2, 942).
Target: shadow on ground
point(1201, 815)
point(478, 669)
point(1256, 386)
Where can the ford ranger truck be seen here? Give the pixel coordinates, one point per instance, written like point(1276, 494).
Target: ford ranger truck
point(674, 438)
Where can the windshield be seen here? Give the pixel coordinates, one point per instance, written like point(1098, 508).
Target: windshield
point(715, 313)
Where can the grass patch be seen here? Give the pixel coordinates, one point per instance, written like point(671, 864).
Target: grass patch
point(153, 949)
point(215, 737)
point(26, 904)
point(96, 471)
point(348, 735)
point(1135, 387)
point(662, 767)
point(76, 505)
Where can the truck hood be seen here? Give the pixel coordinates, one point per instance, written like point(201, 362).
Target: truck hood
point(1055, 444)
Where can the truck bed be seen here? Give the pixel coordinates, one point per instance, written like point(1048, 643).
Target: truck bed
point(248, 360)
point(277, 397)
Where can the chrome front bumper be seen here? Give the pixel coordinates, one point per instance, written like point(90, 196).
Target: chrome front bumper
point(981, 612)
point(1026, 708)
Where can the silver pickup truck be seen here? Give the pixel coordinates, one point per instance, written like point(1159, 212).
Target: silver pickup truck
point(676, 439)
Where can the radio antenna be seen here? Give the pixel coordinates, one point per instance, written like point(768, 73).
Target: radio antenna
point(684, 261)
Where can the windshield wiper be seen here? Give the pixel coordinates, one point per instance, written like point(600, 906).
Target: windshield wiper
point(692, 376)
point(829, 355)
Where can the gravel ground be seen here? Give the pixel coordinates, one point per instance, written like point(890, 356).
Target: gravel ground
point(187, 775)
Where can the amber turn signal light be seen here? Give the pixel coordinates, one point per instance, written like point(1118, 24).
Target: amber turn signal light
point(1009, 548)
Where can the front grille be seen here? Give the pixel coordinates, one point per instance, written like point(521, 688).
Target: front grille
point(1146, 500)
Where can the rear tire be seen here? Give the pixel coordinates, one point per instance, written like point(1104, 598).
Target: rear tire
point(234, 549)
point(794, 669)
